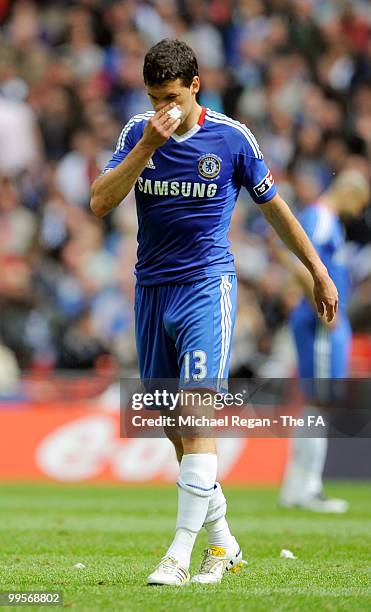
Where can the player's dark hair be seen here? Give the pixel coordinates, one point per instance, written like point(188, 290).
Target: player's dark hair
point(169, 60)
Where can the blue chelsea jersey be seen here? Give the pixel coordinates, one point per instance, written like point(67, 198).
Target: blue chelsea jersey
point(326, 232)
point(186, 194)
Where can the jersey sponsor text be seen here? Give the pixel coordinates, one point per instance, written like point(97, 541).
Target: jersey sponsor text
point(175, 188)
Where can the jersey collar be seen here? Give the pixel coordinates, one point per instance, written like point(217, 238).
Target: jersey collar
point(201, 119)
point(193, 130)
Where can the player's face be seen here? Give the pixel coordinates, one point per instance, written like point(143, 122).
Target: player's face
point(174, 91)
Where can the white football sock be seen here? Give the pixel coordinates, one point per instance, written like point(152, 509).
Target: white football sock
point(220, 535)
point(303, 475)
point(215, 522)
point(195, 485)
point(182, 546)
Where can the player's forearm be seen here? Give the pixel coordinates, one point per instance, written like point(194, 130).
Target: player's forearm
point(279, 215)
point(299, 272)
point(111, 188)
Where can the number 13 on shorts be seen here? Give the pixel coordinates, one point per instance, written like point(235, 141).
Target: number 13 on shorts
point(195, 367)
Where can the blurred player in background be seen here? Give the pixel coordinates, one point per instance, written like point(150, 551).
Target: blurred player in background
point(187, 166)
point(322, 347)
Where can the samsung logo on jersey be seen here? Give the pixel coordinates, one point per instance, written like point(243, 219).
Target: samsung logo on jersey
point(176, 188)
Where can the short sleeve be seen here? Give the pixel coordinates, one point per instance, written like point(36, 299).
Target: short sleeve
point(251, 170)
point(125, 143)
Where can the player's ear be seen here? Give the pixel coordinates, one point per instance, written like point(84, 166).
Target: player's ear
point(195, 86)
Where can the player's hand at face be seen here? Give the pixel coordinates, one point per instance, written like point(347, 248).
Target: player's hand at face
point(325, 297)
point(160, 127)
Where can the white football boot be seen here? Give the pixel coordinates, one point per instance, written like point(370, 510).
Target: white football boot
point(216, 562)
point(317, 503)
point(169, 572)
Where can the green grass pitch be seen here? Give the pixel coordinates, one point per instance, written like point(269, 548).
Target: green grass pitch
point(120, 533)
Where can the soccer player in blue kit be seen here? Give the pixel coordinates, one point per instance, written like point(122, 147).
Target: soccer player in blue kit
point(322, 348)
point(187, 173)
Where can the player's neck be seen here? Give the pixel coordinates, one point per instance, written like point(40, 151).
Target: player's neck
point(191, 120)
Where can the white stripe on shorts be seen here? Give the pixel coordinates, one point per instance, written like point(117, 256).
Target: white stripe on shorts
point(322, 352)
point(226, 325)
point(322, 361)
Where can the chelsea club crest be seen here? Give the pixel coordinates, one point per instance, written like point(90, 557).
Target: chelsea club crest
point(209, 166)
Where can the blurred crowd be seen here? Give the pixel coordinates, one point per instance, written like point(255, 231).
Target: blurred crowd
point(297, 72)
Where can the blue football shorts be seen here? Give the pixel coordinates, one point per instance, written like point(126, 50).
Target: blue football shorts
point(184, 331)
point(323, 353)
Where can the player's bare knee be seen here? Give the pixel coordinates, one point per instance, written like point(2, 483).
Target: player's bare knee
point(196, 444)
point(178, 446)
point(176, 440)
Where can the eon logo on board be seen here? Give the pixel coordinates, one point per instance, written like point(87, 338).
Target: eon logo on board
point(84, 448)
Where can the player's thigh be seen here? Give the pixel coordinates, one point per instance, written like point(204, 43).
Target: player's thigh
point(323, 355)
point(304, 332)
point(340, 349)
point(204, 335)
point(331, 350)
point(157, 358)
point(331, 360)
